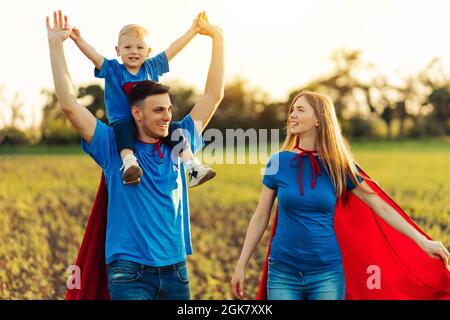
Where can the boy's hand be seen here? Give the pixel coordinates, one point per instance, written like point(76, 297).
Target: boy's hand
point(61, 30)
point(75, 35)
point(206, 28)
point(195, 27)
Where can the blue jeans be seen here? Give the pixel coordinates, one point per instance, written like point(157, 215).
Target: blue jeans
point(124, 133)
point(133, 281)
point(287, 283)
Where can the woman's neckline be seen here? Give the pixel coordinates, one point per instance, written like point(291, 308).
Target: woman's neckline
point(295, 152)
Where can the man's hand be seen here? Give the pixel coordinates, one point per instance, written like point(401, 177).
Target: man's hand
point(206, 28)
point(61, 30)
point(80, 117)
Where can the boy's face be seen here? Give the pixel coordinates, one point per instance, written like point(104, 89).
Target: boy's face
point(155, 115)
point(132, 50)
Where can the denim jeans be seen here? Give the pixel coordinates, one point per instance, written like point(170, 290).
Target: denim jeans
point(285, 282)
point(133, 281)
point(124, 133)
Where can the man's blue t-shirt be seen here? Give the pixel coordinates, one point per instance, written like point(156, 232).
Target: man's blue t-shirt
point(305, 236)
point(148, 223)
point(116, 76)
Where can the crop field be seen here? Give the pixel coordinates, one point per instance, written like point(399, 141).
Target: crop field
point(45, 200)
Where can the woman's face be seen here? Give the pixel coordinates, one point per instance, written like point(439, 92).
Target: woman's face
point(302, 117)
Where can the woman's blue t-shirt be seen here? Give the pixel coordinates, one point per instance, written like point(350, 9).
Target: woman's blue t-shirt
point(305, 236)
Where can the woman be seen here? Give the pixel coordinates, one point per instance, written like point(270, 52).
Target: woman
point(313, 170)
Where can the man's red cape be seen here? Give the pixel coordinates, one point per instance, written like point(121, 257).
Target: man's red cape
point(406, 272)
point(370, 247)
point(91, 257)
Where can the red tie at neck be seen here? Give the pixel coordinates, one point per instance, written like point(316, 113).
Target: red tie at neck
point(314, 165)
point(158, 147)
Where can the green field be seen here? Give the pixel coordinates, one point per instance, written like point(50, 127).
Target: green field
point(46, 196)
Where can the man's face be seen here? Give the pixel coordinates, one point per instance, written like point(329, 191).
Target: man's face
point(155, 115)
point(132, 50)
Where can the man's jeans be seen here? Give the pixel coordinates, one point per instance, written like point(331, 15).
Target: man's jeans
point(287, 283)
point(133, 281)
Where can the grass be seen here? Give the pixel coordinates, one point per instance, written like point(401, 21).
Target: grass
point(46, 196)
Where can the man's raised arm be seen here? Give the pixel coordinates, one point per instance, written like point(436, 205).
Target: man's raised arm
point(80, 117)
point(207, 105)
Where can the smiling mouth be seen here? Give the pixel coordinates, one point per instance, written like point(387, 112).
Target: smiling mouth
point(163, 126)
point(294, 124)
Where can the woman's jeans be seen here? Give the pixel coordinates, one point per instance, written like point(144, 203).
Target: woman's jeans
point(287, 283)
point(133, 281)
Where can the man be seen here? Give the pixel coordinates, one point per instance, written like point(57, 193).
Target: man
point(147, 235)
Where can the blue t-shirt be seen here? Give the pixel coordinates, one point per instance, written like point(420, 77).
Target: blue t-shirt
point(305, 236)
point(116, 76)
point(147, 223)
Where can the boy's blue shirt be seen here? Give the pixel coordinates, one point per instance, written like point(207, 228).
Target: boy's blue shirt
point(116, 76)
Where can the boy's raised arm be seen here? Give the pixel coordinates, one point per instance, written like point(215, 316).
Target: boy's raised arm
point(80, 117)
point(181, 42)
point(88, 50)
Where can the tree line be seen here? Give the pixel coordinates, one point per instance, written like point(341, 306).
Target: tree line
point(367, 105)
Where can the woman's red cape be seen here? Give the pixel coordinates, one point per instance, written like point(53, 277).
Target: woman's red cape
point(372, 250)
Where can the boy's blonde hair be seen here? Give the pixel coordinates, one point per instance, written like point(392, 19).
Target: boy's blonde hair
point(134, 29)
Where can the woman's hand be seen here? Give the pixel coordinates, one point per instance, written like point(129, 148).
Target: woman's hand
point(435, 249)
point(237, 283)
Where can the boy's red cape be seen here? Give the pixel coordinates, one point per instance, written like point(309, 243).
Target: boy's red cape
point(370, 248)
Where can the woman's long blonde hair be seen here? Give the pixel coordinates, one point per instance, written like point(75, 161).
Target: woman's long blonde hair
point(331, 145)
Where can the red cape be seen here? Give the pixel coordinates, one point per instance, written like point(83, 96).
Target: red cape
point(91, 257)
point(405, 270)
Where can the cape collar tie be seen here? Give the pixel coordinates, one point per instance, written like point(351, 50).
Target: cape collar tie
point(157, 147)
point(314, 165)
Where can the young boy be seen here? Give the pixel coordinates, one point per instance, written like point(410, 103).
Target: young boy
point(119, 80)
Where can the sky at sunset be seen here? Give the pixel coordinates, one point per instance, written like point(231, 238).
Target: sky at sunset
point(276, 45)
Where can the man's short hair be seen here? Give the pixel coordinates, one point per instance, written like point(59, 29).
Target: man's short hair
point(144, 89)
